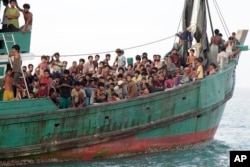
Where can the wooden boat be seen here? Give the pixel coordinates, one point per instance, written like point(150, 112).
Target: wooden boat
point(35, 130)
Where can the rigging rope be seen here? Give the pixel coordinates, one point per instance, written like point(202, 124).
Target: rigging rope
point(221, 18)
point(128, 48)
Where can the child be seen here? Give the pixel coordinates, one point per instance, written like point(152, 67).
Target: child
point(43, 65)
point(7, 86)
point(42, 91)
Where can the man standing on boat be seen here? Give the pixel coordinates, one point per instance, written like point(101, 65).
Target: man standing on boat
point(12, 14)
point(5, 20)
point(28, 17)
point(16, 66)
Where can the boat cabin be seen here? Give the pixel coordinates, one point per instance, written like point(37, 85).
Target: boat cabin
point(7, 40)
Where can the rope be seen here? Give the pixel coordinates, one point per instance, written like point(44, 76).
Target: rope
point(128, 48)
point(223, 22)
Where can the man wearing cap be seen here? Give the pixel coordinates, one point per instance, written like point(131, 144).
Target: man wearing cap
point(119, 89)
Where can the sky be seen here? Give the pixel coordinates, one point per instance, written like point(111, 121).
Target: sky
point(92, 26)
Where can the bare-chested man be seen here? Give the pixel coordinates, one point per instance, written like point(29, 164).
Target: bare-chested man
point(215, 44)
point(28, 17)
point(7, 86)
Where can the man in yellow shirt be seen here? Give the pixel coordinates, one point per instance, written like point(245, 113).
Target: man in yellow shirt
point(12, 14)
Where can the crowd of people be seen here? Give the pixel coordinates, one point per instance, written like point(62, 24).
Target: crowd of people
point(93, 80)
point(11, 14)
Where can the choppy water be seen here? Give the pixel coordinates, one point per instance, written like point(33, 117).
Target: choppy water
point(233, 134)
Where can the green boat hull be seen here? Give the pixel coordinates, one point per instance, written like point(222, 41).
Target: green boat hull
point(35, 129)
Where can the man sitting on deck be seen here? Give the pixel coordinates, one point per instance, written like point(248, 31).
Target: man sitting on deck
point(28, 17)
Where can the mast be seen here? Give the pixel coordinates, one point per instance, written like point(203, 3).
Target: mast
point(210, 18)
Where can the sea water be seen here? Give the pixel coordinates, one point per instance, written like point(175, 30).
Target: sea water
point(233, 134)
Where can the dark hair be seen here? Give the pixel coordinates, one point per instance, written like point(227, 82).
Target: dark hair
point(138, 57)
point(12, 1)
point(90, 57)
point(17, 47)
point(46, 71)
point(77, 83)
point(213, 64)
point(138, 72)
point(5, 1)
point(83, 60)
point(30, 65)
point(26, 6)
point(101, 84)
point(97, 56)
point(119, 76)
point(66, 72)
point(216, 31)
point(192, 50)
point(107, 55)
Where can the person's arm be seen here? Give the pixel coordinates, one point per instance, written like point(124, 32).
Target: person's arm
point(18, 7)
point(3, 83)
point(13, 16)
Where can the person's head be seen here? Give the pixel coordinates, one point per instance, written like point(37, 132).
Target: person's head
point(129, 78)
point(46, 73)
point(130, 67)
point(174, 51)
point(121, 70)
point(56, 55)
point(66, 73)
point(119, 76)
point(42, 86)
point(101, 86)
point(15, 48)
point(90, 58)
point(120, 83)
point(74, 64)
point(137, 73)
point(216, 32)
point(191, 51)
point(65, 63)
point(233, 34)
point(24, 68)
point(12, 3)
point(138, 58)
point(111, 86)
point(119, 52)
point(30, 67)
point(101, 64)
point(81, 61)
point(107, 57)
point(9, 71)
point(26, 7)
point(212, 66)
point(97, 57)
point(44, 59)
point(77, 85)
point(144, 85)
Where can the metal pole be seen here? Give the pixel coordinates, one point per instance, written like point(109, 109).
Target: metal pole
point(210, 19)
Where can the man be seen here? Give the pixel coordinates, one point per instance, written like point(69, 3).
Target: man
point(28, 17)
point(175, 58)
point(7, 86)
point(65, 85)
point(95, 62)
point(132, 88)
point(120, 60)
point(5, 20)
point(12, 14)
point(17, 62)
point(107, 59)
point(56, 65)
point(78, 96)
point(89, 66)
